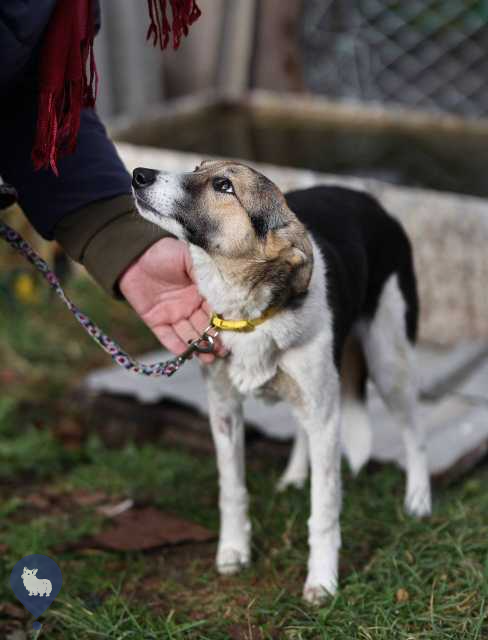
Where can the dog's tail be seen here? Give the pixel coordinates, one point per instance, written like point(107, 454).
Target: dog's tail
point(356, 429)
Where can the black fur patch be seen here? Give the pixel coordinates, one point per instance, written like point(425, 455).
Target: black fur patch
point(267, 214)
point(363, 246)
point(293, 303)
point(261, 224)
point(194, 186)
point(198, 225)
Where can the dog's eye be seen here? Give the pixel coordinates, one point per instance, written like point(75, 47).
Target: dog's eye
point(223, 185)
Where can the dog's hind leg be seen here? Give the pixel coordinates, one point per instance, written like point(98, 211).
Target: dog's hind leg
point(296, 472)
point(227, 423)
point(390, 360)
point(356, 433)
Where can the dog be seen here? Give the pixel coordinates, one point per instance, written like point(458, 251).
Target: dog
point(325, 278)
point(36, 586)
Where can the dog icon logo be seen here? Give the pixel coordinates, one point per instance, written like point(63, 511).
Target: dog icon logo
point(28, 587)
point(36, 586)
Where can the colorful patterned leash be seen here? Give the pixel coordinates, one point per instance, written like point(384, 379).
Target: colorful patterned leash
point(203, 344)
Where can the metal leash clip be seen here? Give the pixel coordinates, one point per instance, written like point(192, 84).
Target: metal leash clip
point(204, 344)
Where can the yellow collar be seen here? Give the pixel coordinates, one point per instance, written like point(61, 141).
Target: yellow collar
point(241, 325)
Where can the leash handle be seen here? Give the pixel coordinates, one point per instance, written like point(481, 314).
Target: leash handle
point(203, 344)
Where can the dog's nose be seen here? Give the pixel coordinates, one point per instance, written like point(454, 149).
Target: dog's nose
point(142, 177)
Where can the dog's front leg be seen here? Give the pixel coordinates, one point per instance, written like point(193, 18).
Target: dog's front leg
point(227, 423)
point(321, 421)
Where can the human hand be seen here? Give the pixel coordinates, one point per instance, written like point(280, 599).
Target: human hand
point(160, 287)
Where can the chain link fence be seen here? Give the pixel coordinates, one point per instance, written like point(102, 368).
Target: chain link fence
point(429, 54)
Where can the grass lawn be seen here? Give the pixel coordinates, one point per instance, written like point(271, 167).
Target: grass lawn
point(400, 579)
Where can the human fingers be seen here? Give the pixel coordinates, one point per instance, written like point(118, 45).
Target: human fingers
point(199, 322)
point(207, 308)
point(170, 339)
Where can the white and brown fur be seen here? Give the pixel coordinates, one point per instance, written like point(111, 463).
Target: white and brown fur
point(340, 270)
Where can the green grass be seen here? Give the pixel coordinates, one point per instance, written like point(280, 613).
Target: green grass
point(441, 564)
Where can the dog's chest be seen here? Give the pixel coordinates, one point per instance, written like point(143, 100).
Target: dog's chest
point(280, 387)
point(252, 362)
point(253, 368)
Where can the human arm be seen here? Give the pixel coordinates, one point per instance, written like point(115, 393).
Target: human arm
point(158, 283)
point(90, 211)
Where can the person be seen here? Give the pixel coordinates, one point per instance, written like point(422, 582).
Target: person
point(88, 207)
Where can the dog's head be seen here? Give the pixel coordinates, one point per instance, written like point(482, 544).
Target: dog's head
point(28, 572)
point(237, 216)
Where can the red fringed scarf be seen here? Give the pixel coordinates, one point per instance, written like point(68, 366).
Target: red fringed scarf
point(63, 81)
point(185, 12)
point(68, 79)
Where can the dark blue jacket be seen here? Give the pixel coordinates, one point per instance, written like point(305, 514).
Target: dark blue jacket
point(94, 172)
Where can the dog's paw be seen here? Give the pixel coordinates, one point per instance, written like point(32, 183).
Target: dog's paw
point(418, 503)
point(297, 482)
point(230, 561)
point(317, 594)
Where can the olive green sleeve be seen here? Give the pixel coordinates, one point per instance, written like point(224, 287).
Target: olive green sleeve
point(106, 237)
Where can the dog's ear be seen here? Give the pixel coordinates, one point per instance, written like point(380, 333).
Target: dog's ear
point(289, 260)
point(35, 571)
point(265, 205)
point(290, 247)
point(299, 257)
point(285, 240)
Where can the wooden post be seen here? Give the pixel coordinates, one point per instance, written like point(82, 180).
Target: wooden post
point(236, 47)
point(277, 60)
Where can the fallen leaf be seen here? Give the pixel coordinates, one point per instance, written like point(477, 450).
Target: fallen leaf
point(197, 615)
point(88, 498)
point(8, 376)
point(16, 634)
point(148, 528)
point(70, 432)
point(151, 583)
point(90, 552)
point(11, 610)
point(53, 492)
point(37, 501)
point(402, 595)
point(244, 632)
